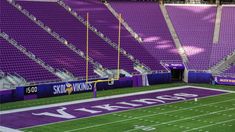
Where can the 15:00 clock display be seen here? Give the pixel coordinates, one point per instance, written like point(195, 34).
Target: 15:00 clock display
point(30, 90)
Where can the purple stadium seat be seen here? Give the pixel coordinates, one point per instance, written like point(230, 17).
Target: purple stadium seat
point(39, 42)
point(74, 31)
point(150, 24)
point(226, 43)
point(195, 27)
point(231, 70)
point(105, 22)
point(14, 61)
point(193, 24)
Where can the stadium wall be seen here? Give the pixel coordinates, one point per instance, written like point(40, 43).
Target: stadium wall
point(159, 78)
point(7, 95)
point(199, 77)
point(75, 87)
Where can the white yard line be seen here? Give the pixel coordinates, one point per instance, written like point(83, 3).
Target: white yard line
point(210, 125)
point(147, 116)
point(90, 100)
point(187, 118)
point(7, 129)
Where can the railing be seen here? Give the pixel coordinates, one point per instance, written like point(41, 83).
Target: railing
point(2, 74)
point(228, 2)
point(217, 25)
point(53, 33)
point(186, 2)
point(124, 23)
point(161, 71)
point(222, 63)
point(172, 61)
point(227, 75)
point(194, 70)
point(174, 35)
point(25, 51)
point(82, 78)
point(99, 33)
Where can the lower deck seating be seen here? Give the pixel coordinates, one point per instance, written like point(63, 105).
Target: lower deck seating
point(14, 61)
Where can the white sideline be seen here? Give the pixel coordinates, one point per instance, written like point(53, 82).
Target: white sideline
point(7, 129)
point(147, 115)
point(210, 125)
point(213, 5)
point(103, 98)
point(222, 90)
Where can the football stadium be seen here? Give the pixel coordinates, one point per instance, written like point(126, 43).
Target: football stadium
point(117, 66)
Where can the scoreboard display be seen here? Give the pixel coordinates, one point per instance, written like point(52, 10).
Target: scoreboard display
point(30, 90)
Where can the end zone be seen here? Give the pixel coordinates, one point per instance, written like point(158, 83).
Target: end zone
point(93, 107)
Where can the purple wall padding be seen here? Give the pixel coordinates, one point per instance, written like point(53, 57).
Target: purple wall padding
point(137, 81)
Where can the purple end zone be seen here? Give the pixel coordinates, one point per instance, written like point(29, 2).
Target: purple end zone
point(80, 110)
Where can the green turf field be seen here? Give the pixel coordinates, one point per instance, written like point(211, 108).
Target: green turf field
point(212, 114)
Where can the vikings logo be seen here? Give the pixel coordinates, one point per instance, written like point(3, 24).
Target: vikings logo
point(69, 88)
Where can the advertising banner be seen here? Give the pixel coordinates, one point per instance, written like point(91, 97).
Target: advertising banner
point(67, 88)
point(174, 65)
point(225, 80)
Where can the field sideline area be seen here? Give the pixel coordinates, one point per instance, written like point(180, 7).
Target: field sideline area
point(208, 112)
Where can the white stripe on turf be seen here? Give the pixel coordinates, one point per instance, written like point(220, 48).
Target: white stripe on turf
point(175, 4)
point(221, 122)
point(187, 118)
point(7, 129)
point(98, 125)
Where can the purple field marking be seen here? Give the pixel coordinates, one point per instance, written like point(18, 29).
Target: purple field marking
point(75, 111)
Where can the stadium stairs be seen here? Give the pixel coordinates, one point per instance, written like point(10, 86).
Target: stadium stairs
point(217, 25)
point(38, 74)
point(104, 21)
point(124, 23)
point(225, 47)
point(140, 40)
point(223, 65)
point(196, 40)
point(103, 33)
point(230, 72)
point(157, 43)
point(174, 35)
point(68, 31)
point(58, 52)
point(22, 67)
point(215, 57)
